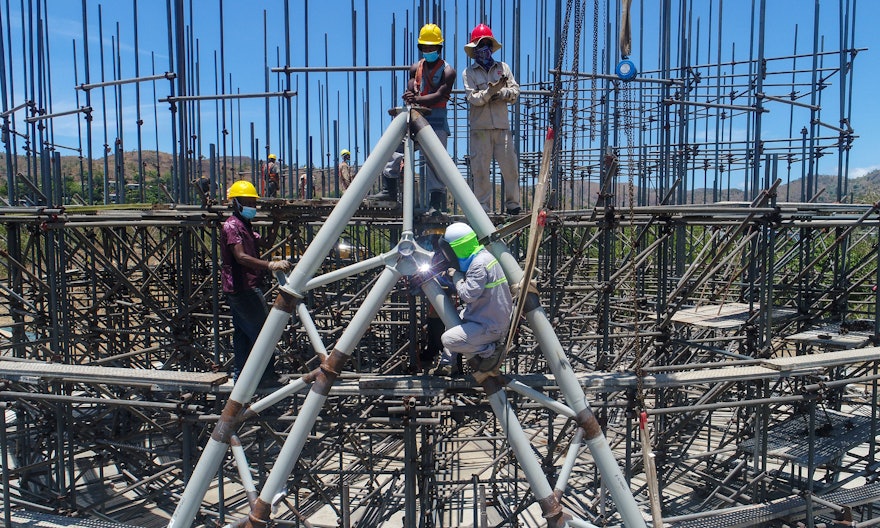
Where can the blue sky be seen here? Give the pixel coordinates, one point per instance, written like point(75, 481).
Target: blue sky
point(330, 35)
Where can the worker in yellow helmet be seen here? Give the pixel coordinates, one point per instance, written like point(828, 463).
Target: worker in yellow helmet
point(345, 172)
point(430, 84)
point(272, 175)
point(241, 273)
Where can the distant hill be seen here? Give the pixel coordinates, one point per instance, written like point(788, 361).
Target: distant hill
point(861, 190)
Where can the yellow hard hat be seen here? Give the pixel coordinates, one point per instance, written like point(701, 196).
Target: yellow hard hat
point(431, 35)
point(272, 156)
point(243, 189)
point(345, 152)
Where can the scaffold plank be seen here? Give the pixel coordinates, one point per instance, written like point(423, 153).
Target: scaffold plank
point(747, 516)
point(830, 336)
point(825, 359)
point(724, 316)
point(43, 520)
point(167, 380)
point(371, 384)
point(835, 434)
point(710, 375)
point(855, 496)
point(760, 514)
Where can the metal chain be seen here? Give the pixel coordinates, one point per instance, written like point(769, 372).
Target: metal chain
point(557, 85)
point(579, 13)
point(595, 68)
point(631, 169)
point(565, 36)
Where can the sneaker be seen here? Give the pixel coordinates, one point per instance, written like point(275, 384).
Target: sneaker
point(514, 211)
point(446, 370)
point(489, 363)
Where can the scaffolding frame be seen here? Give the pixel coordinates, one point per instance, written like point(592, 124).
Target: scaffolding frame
point(739, 321)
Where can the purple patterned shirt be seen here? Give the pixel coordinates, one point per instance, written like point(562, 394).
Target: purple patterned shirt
point(234, 277)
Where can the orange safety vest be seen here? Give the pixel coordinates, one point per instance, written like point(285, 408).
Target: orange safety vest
point(432, 81)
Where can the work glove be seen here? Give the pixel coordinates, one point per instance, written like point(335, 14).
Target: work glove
point(447, 279)
point(280, 265)
point(496, 87)
point(444, 281)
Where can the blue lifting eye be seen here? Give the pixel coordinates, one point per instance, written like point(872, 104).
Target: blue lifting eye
point(626, 70)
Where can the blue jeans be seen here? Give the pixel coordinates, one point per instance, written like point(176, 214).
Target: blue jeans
point(249, 312)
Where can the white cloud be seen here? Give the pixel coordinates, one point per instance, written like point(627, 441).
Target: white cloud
point(862, 171)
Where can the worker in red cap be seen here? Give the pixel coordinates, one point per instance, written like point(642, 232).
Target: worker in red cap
point(489, 87)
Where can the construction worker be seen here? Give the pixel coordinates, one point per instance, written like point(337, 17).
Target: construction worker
point(487, 300)
point(272, 175)
point(303, 185)
point(489, 87)
point(241, 272)
point(391, 176)
point(430, 84)
point(345, 175)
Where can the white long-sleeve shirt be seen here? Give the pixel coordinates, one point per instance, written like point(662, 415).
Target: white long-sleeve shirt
point(484, 113)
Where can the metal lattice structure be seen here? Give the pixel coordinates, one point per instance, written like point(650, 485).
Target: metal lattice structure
point(691, 269)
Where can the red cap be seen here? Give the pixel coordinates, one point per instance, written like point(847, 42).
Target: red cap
point(480, 32)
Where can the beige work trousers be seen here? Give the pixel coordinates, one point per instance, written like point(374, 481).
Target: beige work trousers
point(497, 143)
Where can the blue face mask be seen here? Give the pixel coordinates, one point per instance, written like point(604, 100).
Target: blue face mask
point(248, 212)
point(483, 56)
point(431, 56)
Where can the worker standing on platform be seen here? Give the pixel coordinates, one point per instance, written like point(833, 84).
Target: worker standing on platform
point(488, 305)
point(345, 174)
point(303, 185)
point(392, 175)
point(489, 87)
point(241, 272)
point(430, 84)
point(272, 175)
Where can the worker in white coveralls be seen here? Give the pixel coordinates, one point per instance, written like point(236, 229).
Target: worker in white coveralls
point(490, 87)
point(487, 305)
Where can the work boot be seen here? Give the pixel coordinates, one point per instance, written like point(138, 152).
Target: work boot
point(437, 202)
point(388, 194)
point(488, 363)
point(446, 370)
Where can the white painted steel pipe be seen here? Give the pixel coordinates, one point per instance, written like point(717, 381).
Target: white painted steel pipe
point(241, 464)
point(205, 471)
point(520, 445)
point(367, 312)
point(570, 459)
point(313, 403)
point(288, 390)
point(543, 399)
point(347, 271)
point(305, 318)
point(290, 451)
point(260, 355)
point(351, 200)
point(613, 479)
